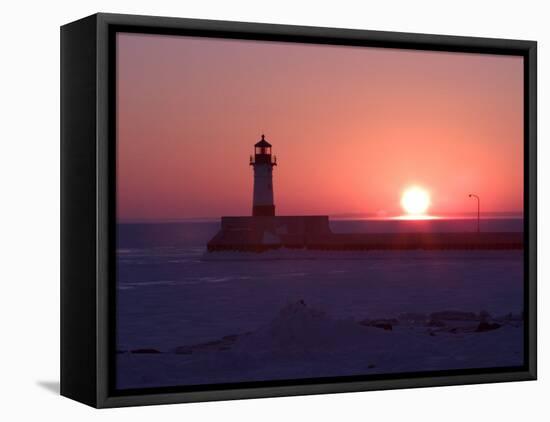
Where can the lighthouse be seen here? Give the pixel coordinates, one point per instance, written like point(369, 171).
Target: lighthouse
point(262, 162)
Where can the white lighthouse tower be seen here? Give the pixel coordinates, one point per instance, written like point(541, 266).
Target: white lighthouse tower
point(262, 162)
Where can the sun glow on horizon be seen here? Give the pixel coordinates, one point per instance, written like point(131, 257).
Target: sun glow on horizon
point(410, 217)
point(415, 201)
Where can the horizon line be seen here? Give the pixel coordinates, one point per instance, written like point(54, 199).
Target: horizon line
point(337, 216)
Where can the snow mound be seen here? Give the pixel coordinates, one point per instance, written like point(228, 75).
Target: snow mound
point(299, 328)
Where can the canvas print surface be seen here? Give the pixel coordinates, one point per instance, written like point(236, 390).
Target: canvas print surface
point(291, 211)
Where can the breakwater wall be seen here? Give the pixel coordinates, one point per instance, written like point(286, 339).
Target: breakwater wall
point(313, 232)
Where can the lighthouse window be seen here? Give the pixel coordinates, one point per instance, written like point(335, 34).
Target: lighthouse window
point(263, 150)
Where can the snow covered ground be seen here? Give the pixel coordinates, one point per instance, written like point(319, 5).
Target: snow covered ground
point(303, 342)
point(230, 317)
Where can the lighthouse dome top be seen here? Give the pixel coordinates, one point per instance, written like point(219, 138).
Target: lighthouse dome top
point(262, 143)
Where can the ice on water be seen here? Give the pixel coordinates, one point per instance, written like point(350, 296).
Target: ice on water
point(297, 314)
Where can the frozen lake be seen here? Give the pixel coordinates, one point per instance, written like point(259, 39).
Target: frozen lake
point(170, 293)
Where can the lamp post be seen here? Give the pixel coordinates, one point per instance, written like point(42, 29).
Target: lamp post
point(478, 201)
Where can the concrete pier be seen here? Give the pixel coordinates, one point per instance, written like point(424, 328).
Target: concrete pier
point(261, 233)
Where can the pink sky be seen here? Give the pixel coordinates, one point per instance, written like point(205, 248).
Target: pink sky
point(351, 127)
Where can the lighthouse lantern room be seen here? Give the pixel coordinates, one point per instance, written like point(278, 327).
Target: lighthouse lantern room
point(263, 163)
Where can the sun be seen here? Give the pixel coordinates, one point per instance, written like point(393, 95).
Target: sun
point(415, 201)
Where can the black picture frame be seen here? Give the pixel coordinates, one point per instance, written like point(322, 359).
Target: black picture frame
point(88, 218)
